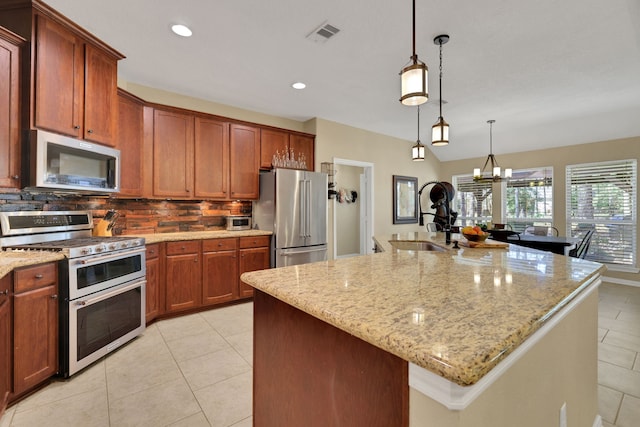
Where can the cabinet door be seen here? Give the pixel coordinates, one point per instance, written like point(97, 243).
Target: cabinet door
point(303, 147)
point(130, 142)
point(101, 105)
point(35, 339)
point(5, 341)
point(211, 158)
point(9, 105)
point(153, 303)
point(59, 79)
point(250, 260)
point(172, 154)
point(245, 162)
point(272, 142)
point(183, 276)
point(219, 277)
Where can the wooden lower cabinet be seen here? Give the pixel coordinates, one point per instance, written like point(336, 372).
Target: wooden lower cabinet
point(6, 288)
point(153, 301)
point(254, 255)
point(193, 274)
point(219, 271)
point(35, 326)
point(183, 275)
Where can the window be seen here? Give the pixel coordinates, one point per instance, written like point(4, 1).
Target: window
point(472, 201)
point(602, 197)
point(529, 198)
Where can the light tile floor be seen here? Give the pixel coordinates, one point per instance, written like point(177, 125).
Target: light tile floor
point(619, 355)
point(195, 371)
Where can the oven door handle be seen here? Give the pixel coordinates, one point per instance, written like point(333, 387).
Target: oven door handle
point(116, 290)
point(107, 257)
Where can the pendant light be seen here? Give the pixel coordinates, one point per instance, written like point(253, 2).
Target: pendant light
point(495, 172)
point(440, 131)
point(417, 151)
point(413, 77)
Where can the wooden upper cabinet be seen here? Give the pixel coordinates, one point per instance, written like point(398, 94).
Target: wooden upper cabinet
point(130, 142)
point(59, 78)
point(172, 154)
point(272, 142)
point(73, 74)
point(211, 158)
point(101, 84)
point(280, 142)
point(9, 109)
point(245, 162)
point(303, 145)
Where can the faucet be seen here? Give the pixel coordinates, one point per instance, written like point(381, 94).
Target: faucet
point(447, 207)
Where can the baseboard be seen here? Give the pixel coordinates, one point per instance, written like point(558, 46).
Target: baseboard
point(621, 281)
point(598, 421)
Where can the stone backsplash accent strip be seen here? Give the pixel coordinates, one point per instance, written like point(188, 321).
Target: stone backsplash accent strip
point(137, 216)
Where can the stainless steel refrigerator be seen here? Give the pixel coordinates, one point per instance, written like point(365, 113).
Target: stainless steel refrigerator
point(293, 205)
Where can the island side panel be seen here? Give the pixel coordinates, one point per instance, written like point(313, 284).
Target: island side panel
point(309, 373)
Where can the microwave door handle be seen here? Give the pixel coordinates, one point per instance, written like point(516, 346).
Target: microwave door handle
point(114, 292)
point(102, 258)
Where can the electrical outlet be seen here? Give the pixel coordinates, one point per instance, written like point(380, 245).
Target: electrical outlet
point(563, 415)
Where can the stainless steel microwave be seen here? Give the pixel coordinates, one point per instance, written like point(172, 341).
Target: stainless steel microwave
point(61, 163)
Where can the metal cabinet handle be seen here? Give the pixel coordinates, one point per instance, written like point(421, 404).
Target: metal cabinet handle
point(5, 292)
point(54, 296)
point(16, 177)
point(39, 276)
point(76, 127)
point(89, 130)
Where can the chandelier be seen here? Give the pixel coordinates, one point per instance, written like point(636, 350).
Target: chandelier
point(413, 77)
point(494, 172)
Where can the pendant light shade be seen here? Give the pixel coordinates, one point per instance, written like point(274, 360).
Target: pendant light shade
point(440, 131)
point(414, 76)
point(417, 151)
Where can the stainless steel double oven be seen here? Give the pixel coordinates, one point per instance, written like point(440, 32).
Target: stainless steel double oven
point(102, 281)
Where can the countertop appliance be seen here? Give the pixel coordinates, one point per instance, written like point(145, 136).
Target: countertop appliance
point(102, 281)
point(236, 223)
point(293, 205)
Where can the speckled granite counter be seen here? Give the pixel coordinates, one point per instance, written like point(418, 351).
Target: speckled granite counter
point(12, 260)
point(455, 313)
point(199, 235)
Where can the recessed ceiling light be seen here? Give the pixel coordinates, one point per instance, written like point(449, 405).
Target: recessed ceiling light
point(181, 30)
point(298, 85)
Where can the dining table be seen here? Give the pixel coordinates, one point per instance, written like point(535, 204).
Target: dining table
point(556, 244)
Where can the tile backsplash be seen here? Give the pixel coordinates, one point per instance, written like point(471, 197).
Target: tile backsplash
point(137, 216)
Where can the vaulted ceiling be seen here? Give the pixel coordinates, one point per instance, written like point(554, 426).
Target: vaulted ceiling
point(551, 73)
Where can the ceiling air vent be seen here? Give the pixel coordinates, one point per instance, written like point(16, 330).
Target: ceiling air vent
point(323, 33)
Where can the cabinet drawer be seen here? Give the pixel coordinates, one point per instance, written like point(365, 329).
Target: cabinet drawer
point(186, 247)
point(254, 242)
point(213, 245)
point(152, 251)
point(35, 277)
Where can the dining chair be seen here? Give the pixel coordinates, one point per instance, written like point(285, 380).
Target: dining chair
point(541, 230)
point(583, 247)
point(502, 227)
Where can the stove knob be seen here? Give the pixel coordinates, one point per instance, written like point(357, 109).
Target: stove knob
point(100, 248)
point(125, 244)
point(85, 251)
point(113, 247)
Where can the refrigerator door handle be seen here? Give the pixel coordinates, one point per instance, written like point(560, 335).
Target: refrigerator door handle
point(303, 209)
point(298, 251)
point(308, 208)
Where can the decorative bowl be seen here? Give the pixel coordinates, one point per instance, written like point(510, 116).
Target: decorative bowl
point(476, 237)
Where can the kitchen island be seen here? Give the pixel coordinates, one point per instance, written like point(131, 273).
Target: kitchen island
point(457, 337)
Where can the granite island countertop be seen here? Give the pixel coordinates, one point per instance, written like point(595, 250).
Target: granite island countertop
point(10, 260)
point(456, 313)
point(199, 235)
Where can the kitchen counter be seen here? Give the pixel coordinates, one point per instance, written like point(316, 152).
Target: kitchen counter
point(199, 235)
point(456, 314)
point(10, 260)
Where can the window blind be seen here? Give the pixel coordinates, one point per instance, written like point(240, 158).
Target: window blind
point(603, 197)
point(473, 200)
point(529, 198)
